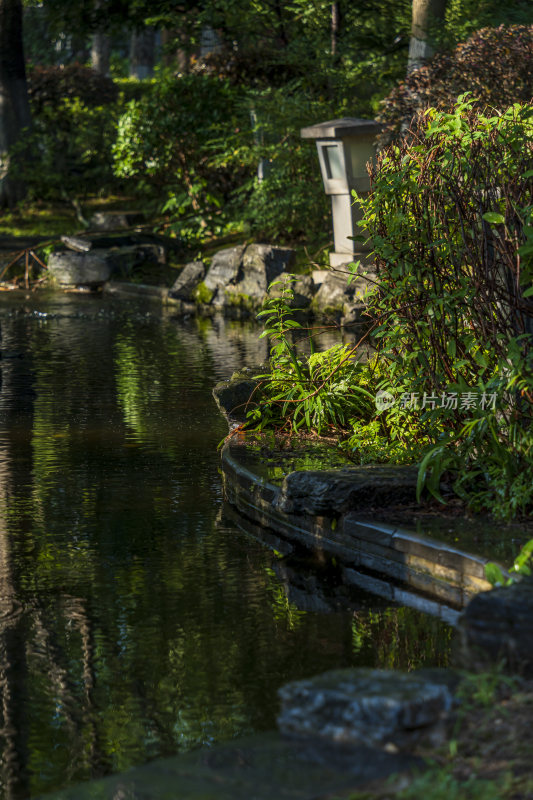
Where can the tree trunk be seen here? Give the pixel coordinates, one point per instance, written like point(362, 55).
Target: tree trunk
point(14, 105)
point(335, 29)
point(100, 52)
point(426, 14)
point(142, 53)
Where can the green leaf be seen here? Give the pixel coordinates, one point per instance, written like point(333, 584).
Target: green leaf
point(494, 218)
point(494, 575)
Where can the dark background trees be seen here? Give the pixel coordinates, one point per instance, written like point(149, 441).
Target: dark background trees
point(287, 65)
point(14, 106)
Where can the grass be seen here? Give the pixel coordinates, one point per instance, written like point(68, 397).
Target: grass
point(488, 756)
point(37, 219)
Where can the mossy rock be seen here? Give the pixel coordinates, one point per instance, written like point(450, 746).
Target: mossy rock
point(202, 295)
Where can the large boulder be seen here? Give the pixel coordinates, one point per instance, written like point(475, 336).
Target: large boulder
point(92, 268)
point(239, 276)
point(187, 281)
point(497, 628)
point(80, 269)
point(335, 293)
point(225, 268)
point(261, 264)
point(381, 708)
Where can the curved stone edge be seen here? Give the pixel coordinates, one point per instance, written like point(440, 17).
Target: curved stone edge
point(386, 560)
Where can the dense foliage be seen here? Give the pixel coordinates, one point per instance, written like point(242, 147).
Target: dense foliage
point(49, 86)
point(495, 64)
point(165, 147)
point(450, 219)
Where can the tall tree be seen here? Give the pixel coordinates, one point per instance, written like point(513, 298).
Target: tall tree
point(426, 15)
point(15, 113)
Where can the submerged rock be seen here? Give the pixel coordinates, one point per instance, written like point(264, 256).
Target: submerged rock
point(265, 766)
point(497, 628)
point(367, 706)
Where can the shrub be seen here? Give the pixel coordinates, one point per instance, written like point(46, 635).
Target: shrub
point(72, 150)
point(74, 118)
point(48, 87)
point(164, 147)
point(450, 216)
point(495, 64)
point(317, 393)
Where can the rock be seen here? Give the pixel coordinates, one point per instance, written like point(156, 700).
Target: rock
point(233, 398)
point(337, 296)
point(187, 281)
point(98, 265)
point(334, 492)
point(302, 287)
point(354, 314)
point(85, 269)
point(239, 276)
point(225, 267)
point(333, 294)
point(319, 275)
point(124, 260)
point(367, 706)
point(116, 220)
point(261, 264)
point(259, 767)
point(77, 243)
point(497, 627)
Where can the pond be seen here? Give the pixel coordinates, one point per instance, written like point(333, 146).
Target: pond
point(136, 620)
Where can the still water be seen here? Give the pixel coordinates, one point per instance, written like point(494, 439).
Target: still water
point(135, 620)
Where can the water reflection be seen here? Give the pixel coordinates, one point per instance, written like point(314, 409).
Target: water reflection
point(132, 623)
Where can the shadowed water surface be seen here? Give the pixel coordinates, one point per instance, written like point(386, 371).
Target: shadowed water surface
point(134, 621)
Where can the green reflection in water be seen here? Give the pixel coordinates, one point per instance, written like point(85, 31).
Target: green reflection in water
point(133, 622)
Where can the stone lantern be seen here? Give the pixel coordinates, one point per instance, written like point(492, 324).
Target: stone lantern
point(344, 148)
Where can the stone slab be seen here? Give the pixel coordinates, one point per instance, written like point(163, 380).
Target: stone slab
point(335, 492)
point(140, 290)
point(261, 767)
point(365, 706)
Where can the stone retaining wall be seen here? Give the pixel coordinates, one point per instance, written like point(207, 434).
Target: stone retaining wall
point(383, 559)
